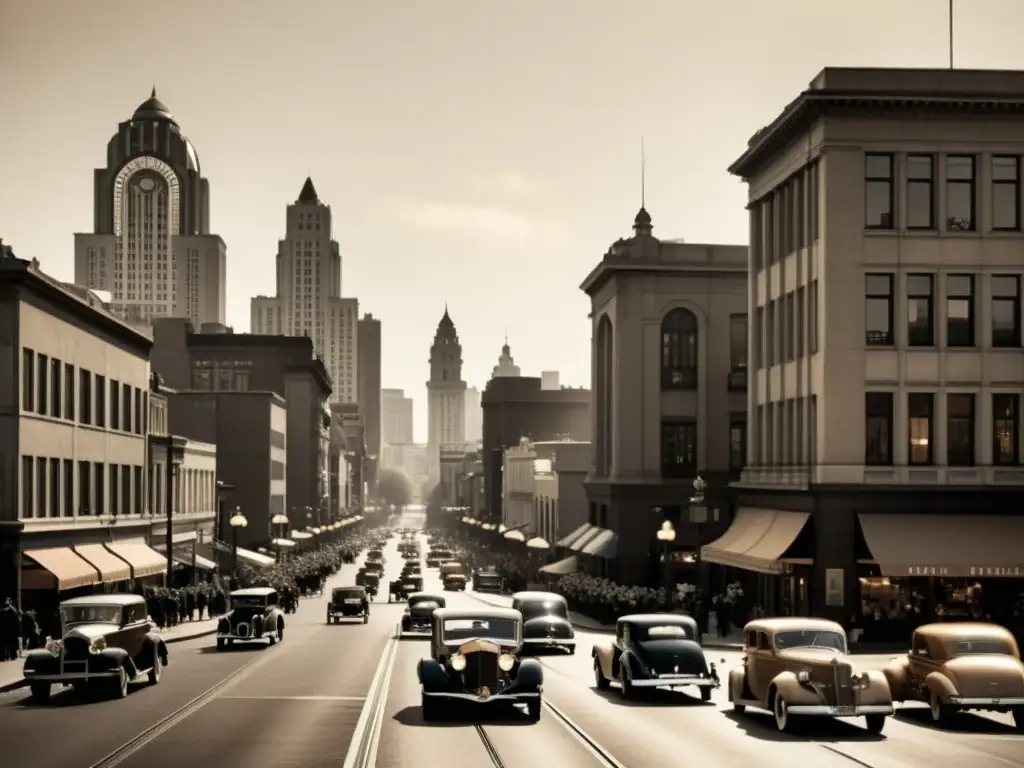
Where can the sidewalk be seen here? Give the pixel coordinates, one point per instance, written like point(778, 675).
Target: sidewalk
point(588, 624)
point(10, 671)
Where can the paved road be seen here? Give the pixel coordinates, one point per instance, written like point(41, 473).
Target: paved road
point(348, 696)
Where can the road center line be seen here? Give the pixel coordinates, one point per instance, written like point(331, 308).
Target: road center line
point(361, 745)
point(296, 698)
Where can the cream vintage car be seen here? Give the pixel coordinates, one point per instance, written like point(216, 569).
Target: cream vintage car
point(797, 667)
point(961, 666)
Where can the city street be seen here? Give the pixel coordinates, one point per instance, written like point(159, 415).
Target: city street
point(303, 701)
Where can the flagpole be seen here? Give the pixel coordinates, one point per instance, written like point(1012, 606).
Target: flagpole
point(951, 34)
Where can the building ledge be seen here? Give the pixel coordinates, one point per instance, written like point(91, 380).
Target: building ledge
point(801, 478)
point(113, 522)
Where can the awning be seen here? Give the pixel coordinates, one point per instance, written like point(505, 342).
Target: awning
point(255, 558)
point(567, 541)
point(563, 567)
point(605, 544)
point(757, 540)
point(202, 563)
point(286, 543)
point(60, 568)
point(955, 546)
point(143, 560)
point(111, 567)
point(587, 536)
point(301, 535)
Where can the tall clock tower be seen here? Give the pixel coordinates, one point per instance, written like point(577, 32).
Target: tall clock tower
point(446, 394)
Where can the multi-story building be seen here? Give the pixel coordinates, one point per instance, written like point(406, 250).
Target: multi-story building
point(396, 417)
point(151, 246)
point(241, 362)
point(369, 393)
point(307, 300)
point(75, 393)
point(515, 407)
point(669, 361)
point(885, 289)
point(446, 394)
point(506, 364)
point(349, 417)
point(474, 416)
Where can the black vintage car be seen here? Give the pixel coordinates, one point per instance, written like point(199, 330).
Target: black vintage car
point(375, 554)
point(400, 589)
point(106, 641)
point(374, 566)
point(655, 650)
point(545, 621)
point(370, 580)
point(412, 569)
point(419, 612)
point(348, 603)
point(254, 615)
point(488, 581)
point(436, 556)
point(348, 557)
point(473, 661)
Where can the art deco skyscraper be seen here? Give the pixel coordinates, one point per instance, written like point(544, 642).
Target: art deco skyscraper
point(151, 246)
point(308, 299)
point(446, 393)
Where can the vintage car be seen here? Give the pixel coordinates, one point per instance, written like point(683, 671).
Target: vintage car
point(348, 603)
point(254, 615)
point(453, 576)
point(473, 659)
point(654, 650)
point(401, 588)
point(419, 612)
point(375, 555)
point(488, 581)
point(106, 640)
point(412, 569)
point(961, 666)
point(545, 621)
point(436, 556)
point(370, 580)
point(380, 543)
point(348, 557)
point(373, 566)
point(796, 667)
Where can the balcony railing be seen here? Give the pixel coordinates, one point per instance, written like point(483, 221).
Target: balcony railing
point(738, 380)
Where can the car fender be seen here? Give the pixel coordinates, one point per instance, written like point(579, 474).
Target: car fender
point(602, 653)
point(118, 657)
point(39, 660)
point(736, 678)
point(530, 674)
point(637, 670)
point(154, 641)
point(431, 674)
point(878, 691)
point(897, 676)
point(938, 683)
point(786, 684)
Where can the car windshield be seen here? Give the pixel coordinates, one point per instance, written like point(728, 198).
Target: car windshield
point(374, 554)
point(664, 632)
point(248, 601)
point(463, 629)
point(341, 594)
point(805, 638)
point(91, 614)
point(424, 604)
point(489, 576)
point(451, 569)
point(371, 576)
point(537, 609)
point(967, 646)
point(442, 554)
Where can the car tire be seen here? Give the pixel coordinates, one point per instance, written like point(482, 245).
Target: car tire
point(602, 682)
point(430, 709)
point(220, 643)
point(40, 692)
point(533, 708)
point(366, 619)
point(572, 650)
point(875, 723)
point(154, 671)
point(1018, 719)
point(121, 683)
point(780, 709)
point(941, 713)
point(280, 631)
point(739, 709)
point(625, 685)
point(705, 694)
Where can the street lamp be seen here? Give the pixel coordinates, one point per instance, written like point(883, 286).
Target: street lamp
point(666, 535)
point(175, 458)
point(698, 517)
point(238, 520)
point(281, 521)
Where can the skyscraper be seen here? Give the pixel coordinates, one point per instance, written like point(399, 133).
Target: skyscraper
point(396, 417)
point(308, 300)
point(506, 366)
point(446, 394)
point(151, 246)
point(368, 391)
point(474, 416)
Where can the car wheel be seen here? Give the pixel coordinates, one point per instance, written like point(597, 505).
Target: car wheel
point(705, 694)
point(40, 692)
point(220, 643)
point(121, 683)
point(739, 709)
point(625, 685)
point(875, 723)
point(1018, 719)
point(366, 619)
point(154, 671)
point(941, 713)
point(280, 631)
point(533, 707)
point(430, 708)
point(572, 650)
point(599, 678)
point(783, 720)
point(271, 640)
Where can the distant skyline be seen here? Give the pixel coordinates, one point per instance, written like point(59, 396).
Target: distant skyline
point(471, 154)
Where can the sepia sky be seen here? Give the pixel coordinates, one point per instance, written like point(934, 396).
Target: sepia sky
point(479, 152)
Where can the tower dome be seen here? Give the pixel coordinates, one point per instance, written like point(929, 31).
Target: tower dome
point(153, 109)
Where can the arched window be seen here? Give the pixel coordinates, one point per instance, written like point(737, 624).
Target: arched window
point(679, 350)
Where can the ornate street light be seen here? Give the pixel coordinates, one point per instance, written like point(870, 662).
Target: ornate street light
point(175, 458)
point(666, 535)
point(281, 521)
point(237, 521)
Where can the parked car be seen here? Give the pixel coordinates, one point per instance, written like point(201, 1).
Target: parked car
point(545, 621)
point(106, 641)
point(348, 603)
point(655, 650)
point(797, 667)
point(961, 666)
point(254, 615)
point(473, 660)
point(420, 611)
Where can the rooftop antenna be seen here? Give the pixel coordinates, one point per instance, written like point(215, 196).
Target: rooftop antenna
point(951, 34)
point(643, 167)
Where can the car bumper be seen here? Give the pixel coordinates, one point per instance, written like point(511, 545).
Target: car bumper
point(347, 614)
point(827, 710)
point(549, 642)
point(246, 639)
point(473, 698)
point(69, 677)
point(981, 702)
point(666, 681)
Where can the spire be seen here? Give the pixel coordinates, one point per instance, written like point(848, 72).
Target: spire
point(643, 175)
point(642, 223)
point(152, 94)
point(308, 193)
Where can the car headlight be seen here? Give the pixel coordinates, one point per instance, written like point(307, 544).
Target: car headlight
point(803, 676)
point(97, 645)
point(457, 662)
point(506, 661)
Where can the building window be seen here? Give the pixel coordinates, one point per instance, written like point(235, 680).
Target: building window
point(100, 384)
point(56, 388)
point(878, 414)
point(920, 406)
point(960, 193)
point(960, 430)
point(920, 328)
point(920, 192)
point(1006, 193)
point(115, 501)
point(55, 497)
point(27, 487)
point(137, 420)
point(28, 380)
point(126, 407)
point(139, 495)
point(84, 396)
point(679, 350)
point(41, 505)
point(1006, 311)
point(69, 391)
point(42, 390)
point(85, 488)
point(959, 310)
point(737, 443)
point(69, 488)
point(878, 185)
point(678, 449)
point(879, 310)
point(115, 409)
point(100, 498)
point(126, 489)
point(1005, 429)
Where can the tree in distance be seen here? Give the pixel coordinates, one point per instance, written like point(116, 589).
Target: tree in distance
point(394, 487)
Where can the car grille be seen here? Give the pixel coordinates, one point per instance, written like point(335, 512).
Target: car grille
point(76, 649)
point(481, 672)
point(835, 684)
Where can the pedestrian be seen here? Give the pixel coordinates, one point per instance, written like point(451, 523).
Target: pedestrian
point(10, 631)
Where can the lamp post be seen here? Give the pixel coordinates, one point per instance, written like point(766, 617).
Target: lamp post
point(280, 522)
point(175, 458)
point(238, 520)
point(698, 517)
point(666, 535)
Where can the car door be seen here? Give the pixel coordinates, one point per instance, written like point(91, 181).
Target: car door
point(134, 628)
point(760, 658)
point(920, 664)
